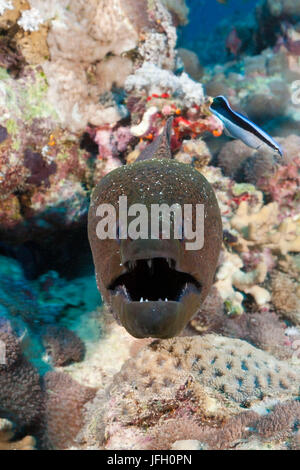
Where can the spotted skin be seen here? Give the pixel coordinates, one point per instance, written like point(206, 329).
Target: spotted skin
point(156, 181)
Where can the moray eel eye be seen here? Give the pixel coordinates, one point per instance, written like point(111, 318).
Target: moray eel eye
point(154, 280)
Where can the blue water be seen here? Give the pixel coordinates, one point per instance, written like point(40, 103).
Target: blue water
point(210, 22)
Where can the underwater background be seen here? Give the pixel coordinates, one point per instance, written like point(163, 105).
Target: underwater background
point(85, 86)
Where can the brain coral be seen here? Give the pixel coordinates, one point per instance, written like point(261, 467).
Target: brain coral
point(204, 380)
point(230, 366)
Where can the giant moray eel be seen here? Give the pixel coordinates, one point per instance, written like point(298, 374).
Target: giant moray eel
point(174, 280)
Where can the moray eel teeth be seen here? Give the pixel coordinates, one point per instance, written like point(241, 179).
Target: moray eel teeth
point(151, 295)
point(152, 280)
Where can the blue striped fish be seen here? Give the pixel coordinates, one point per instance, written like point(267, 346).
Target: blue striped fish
point(240, 127)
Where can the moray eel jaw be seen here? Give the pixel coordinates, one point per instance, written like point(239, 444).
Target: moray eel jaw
point(151, 297)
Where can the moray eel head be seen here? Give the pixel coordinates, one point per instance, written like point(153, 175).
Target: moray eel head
point(155, 286)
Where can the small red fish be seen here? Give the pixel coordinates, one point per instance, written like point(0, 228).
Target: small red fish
point(233, 42)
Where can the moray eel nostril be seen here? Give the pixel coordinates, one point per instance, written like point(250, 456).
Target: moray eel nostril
point(155, 286)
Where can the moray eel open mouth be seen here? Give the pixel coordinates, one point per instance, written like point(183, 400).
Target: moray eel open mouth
point(154, 280)
point(152, 291)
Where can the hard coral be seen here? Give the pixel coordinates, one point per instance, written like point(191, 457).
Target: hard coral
point(63, 346)
point(211, 315)
point(264, 330)
point(260, 166)
point(224, 437)
point(30, 20)
point(230, 276)
point(286, 296)
point(195, 151)
point(277, 426)
point(281, 422)
point(232, 156)
point(264, 106)
point(283, 187)
point(288, 8)
point(43, 172)
point(191, 63)
point(201, 381)
point(21, 396)
point(65, 400)
point(178, 9)
point(5, 5)
point(152, 80)
point(261, 225)
point(78, 78)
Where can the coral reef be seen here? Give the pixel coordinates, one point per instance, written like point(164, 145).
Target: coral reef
point(65, 400)
point(49, 407)
point(41, 165)
point(260, 87)
point(153, 80)
point(232, 156)
point(191, 63)
point(85, 88)
point(178, 9)
point(42, 301)
point(265, 330)
point(200, 383)
point(75, 73)
point(44, 176)
point(63, 346)
point(286, 296)
point(279, 424)
point(21, 397)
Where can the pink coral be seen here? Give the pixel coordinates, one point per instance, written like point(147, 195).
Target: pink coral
point(278, 425)
point(63, 346)
point(65, 400)
point(283, 187)
point(264, 330)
